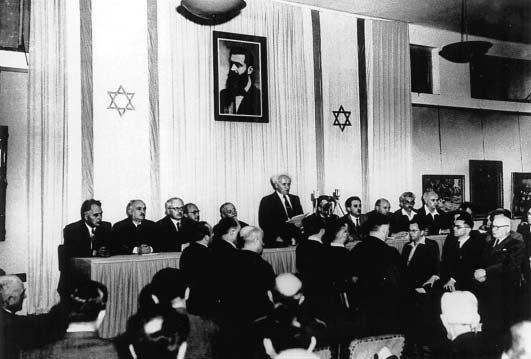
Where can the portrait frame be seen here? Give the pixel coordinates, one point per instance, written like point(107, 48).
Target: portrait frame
point(450, 188)
point(521, 193)
point(224, 103)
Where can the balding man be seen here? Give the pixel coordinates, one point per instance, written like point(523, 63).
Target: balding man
point(191, 211)
point(381, 206)
point(499, 278)
point(172, 229)
point(26, 332)
point(429, 215)
point(228, 210)
point(135, 234)
point(275, 209)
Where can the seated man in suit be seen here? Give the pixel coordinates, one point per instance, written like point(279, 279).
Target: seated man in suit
point(87, 310)
point(275, 209)
point(324, 213)
point(381, 206)
point(134, 234)
point(172, 230)
point(228, 210)
point(354, 218)
point(420, 265)
point(26, 331)
point(191, 212)
point(401, 218)
point(435, 221)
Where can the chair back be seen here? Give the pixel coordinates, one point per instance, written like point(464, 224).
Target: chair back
point(366, 347)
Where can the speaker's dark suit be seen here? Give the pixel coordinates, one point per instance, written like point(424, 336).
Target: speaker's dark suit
point(197, 265)
point(433, 223)
point(356, 232)
point(502, 264)
point(126, 235)
point(168, 238)
point(460, 263)
point(77, 345)
point(272, 218)
point(400, 222)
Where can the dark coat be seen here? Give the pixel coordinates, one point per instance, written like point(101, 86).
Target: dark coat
point(502, 264)
point(356, 232)
point(434, 224)
point(77, 242)
point(423, 264)
point(460, 263)
point(399, 222)
point(250, 104)
point(77, 345)
point(168, 238)
point(126, 235)
point(197, 265)
point(272, 218)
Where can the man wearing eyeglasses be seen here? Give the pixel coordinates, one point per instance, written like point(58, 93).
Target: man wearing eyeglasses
point(191, 211)
point(401, 218)
point(461, 256)
point(354, 218)
point(171, 229)
point(499, 278)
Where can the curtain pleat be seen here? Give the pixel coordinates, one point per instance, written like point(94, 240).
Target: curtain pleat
point(47, 144)
point(389, 109)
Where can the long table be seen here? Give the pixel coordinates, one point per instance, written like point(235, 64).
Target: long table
point(125, 276)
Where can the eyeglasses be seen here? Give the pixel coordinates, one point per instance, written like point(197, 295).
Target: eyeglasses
point(498, 227)
point(194, 212)
point(176, 208)
point(461, 227)
point(408, 202)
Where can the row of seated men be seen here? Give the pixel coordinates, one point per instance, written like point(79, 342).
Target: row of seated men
point(351, 290)
point(163, 326)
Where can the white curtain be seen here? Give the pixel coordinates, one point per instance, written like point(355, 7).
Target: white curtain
point(389, 109)
point(47, 139)
point(209, 162)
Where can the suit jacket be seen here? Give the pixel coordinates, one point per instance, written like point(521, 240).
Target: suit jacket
point(460, 263)
point(77, 240)
point(250, 104)
point(168, 238)
point(399, 222)
point(126, 235)
point(309, 257)
point(502, 264)
point(272, 217)
point(77, 345)
point(434, 225)
point(197, 265)
point(356, 232)
point(27, 332)
point(203, 338)
point(423, 264)
point(225, 270)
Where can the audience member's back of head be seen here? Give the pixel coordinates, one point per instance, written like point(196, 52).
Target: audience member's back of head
point(224, 225)
point(459, 313)
point(375, 221)
point(296, 354)
point(287, 290)
point(158, 332)
point(87, 301)
point(311, 225)
point(168, 284)
point(199, 230)
point(520, 344)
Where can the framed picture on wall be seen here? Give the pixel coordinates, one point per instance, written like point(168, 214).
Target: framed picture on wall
point(486, 186)
point(240, 77)
point(521, 200)
point(450, 188)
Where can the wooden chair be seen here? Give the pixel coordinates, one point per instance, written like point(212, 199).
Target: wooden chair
point(366, 347)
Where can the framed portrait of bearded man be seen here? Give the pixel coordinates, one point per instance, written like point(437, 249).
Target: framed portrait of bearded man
point(240, 77)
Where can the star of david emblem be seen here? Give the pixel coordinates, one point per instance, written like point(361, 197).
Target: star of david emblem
point(121, 100)
point(346, 114)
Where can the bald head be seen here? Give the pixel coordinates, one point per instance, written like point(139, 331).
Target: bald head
point(228, 210)
point(253, 239)
point(382, 206)
point(459, 312)
point(12, 292)
point(174, 208)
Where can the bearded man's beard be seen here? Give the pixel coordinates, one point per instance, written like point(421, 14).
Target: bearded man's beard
point(236, 83)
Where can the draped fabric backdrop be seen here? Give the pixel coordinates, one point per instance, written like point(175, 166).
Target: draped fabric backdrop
point(210, 162)
point(339, 59)
point(47, 139)
point(389, 109)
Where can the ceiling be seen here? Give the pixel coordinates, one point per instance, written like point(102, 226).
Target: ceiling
point(507, 20)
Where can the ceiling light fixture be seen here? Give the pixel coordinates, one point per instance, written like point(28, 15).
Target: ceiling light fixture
point(464, 51)
point(210, 12)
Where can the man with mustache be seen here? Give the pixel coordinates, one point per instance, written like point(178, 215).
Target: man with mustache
point(240, 96)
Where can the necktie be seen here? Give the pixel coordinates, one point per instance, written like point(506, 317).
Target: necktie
point(413, 247)
point(178, 225)
point(357, 222)
point(289, 210)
